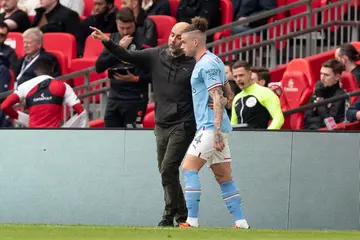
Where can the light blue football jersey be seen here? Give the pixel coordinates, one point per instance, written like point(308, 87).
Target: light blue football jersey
point(209, 72)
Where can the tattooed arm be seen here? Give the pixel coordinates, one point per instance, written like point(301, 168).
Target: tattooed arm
point(216, 94)
point(229, 95)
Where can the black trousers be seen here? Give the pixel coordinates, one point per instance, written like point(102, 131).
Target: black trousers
point(119, 113)
point(172, 144)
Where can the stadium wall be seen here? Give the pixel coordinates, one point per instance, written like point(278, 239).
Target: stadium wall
point(287, 180)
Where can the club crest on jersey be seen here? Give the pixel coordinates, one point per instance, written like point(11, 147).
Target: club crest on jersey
point(42, 98)
point(132, 47)
point(251, 102)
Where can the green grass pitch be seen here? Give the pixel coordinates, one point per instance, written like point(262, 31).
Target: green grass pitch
point(79, 232)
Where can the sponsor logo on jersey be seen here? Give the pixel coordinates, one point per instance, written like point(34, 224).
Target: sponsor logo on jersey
point(42, 98)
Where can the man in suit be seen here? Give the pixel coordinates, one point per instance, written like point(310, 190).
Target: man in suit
point(24, 68)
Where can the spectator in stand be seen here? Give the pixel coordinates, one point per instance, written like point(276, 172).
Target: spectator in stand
point(144, 25)
point(261, 76)
point(129, 92)
point(353, 113)
point(24, 68)
point(348, 55)
point(54, 17)
point(328, 87)
point(210, 10)
point(156, 7)
point(255, 105)
point(103, 18)
point(7, 59)
point(16, 19)
point(75, 5)
point(29, 6)
point(244, 8)
point(8, 56)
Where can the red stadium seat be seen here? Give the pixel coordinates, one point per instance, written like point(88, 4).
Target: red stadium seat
point(335, 13)
point(88, 7)
point(83, 63)
point(298, 92)
point(285, 107)
point(12, 80)
point(301, 22)
point(281, 15)
point(63, 61)
point(93, 47)
point(303, 65)
point(31, 18)
point(118, 3)
point(63, 42)
point(356, 45)
point(98, 123)
point(164, 25)
point(226, 11)
point(277, 73)
point(15, 40)
point(297, 88)
point(149, 120)
point(173, 6)
point(150, 108)
point(349, 84)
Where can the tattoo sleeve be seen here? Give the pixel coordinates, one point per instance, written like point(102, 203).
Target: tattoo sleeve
point(229, 95)
point(216, 94)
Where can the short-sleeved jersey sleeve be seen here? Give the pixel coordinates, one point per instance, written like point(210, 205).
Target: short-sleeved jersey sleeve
point(212, 75)
point(70, 97)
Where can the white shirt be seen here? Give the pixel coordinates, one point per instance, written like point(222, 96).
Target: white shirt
point(29, 6)
point(75, 5)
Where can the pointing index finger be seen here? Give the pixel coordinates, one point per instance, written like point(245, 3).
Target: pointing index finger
point(94, 28)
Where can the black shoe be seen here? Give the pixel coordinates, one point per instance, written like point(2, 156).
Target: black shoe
point(165, 223)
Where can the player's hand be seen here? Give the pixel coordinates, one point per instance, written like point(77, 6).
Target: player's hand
point(99, 35)
point(218, 141)
point(128, 77)
point(126, 41)
point(244, 24)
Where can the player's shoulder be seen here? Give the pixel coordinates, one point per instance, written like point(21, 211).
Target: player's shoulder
point(213, 59)
point(57, 87)
point(28, 85)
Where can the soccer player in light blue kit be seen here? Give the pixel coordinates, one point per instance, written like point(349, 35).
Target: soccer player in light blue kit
point(213, 127)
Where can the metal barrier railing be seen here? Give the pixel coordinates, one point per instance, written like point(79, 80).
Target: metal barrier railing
point(296, 36)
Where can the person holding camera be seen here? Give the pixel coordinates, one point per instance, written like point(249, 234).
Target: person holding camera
point(129, 83)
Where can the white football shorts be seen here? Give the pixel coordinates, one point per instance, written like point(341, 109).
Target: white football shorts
point(202, 147)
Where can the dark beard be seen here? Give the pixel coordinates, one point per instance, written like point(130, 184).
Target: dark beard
point(178, 52)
